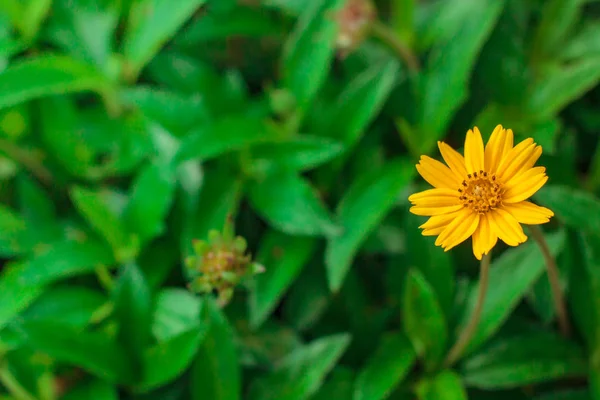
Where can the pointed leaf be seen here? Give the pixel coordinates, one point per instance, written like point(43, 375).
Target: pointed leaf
point(445, 386)
point(151, 24)
point(361, 101)
point(386, 368)
point(511, 277)
point(94, 352)
point(151, 197)
point(310, 49)
point(524, 360)
point(167, 360)
point(283, 257)
point(290, 204)
point(424, 322)
point(132, 307)
point(215, 374)
point(361, 209)
point(46, 75)
point(300, 374)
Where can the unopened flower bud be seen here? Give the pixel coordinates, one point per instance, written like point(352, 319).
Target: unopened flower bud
point(354, 20)
point(220, 264)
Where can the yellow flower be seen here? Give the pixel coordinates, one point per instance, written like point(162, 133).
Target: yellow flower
point(482, 195)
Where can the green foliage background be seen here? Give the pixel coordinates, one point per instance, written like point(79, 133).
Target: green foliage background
point(130, 127)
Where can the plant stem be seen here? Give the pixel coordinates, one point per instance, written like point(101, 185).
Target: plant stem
point(13, 386)
point(26, 159)
point(387, 36)
point(554, 279)
point(467, 334)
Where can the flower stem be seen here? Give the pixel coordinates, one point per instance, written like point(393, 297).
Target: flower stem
point(382, 32)
point(26, 159)
point(554, 279)
point(467, 334)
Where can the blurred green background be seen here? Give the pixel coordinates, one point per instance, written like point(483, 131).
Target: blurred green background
point(130, 128)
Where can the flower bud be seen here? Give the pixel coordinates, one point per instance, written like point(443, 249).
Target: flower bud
point(354, 20)
point(220, 264)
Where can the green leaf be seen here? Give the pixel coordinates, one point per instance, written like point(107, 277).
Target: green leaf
point(228, 134)
point(93, 352)
point(385, 369)
point(35, 204)
point(12, 230)
point(151, 197)
point(433, 262)
point(309, 50)
point(215, 373)
point(558, 18)
point(291, 205)
point(298, 153)
point(445, 386)
point(151, 24)
point(239, 21)
point(511, 277)
point(63, 137)
point(580, 394)
point(46, 75)
point(576, 208)
point(132, 309)
point(15, 295)
point(92, 206)
point(339, 384)
point(586, 43)
point(424, 322)
point(283, 257)
point(177, 112)
point(361, 101)
point(21, 284)
point(209, 205)
point(167, 360)
point(300, 374)
point(563, 85)
point(74, 305)
point(524, 360)
point(361, 209)
point(92, 390)
point(64, 259)
point(585, 300)
point(444, 84)
point(85, 29)
point(308, 298)
point(30, 16)
point(176, 311)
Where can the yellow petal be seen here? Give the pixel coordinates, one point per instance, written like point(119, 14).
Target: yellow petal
point(508, 144)
point(514, 159)
point(521, 162)
point(522, 177)
point(437, 174)
point(529, 162)
point(506, 227)
point(454, 159)
point(439, 220)
point(525, 189)
point(526, 212)
point(433, 194)
point(484, 239)
point(459, 229)
point(433, 231)
point(493, 148)
point(474, 151)
point(500, 143)
point(429, 211)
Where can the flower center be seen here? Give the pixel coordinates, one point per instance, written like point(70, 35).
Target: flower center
point(480, 192)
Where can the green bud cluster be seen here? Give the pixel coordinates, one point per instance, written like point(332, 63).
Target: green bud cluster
point(220, 264)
